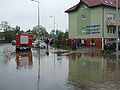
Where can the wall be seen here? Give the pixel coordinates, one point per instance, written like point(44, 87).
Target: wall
point(93, 16)
point(83, 10)
point(106, 11)
point(72, 25)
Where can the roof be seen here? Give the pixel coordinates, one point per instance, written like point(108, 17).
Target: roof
point(93, 3)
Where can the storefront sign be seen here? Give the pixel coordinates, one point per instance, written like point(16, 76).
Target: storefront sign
point(91, 29)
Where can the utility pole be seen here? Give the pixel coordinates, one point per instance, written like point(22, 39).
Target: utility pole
point(38, 23)
point(117, 26)
point(54, 22)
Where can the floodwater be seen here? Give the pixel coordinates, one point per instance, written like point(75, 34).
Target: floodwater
point(28, 70)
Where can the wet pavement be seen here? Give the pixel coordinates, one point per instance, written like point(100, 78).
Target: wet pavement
point(25, 70)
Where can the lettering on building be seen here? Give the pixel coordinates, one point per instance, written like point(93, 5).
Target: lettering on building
point(90, 29)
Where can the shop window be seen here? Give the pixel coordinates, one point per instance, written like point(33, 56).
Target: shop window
point(111, 30)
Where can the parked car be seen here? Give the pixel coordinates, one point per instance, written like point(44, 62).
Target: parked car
point(111, 45)
point(41, 44)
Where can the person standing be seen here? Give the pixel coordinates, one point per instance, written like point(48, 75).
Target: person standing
point(47, 42)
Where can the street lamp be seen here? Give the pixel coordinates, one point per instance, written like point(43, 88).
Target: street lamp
point(117, 26)
point(54, 22)
point(38, 23)
point(117, 36)
point(56, 26)
point(38, 44)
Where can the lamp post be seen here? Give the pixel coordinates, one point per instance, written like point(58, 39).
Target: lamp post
point(117, 26)
point(56, 26)
point(117, 36)
point(38, 23)
point(38, 44)
point(54, 22)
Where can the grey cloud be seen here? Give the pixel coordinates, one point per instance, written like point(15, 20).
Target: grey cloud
point(24, 12)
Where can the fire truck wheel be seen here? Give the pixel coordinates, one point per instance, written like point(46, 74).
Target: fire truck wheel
point(29, 49)
point(17, 49)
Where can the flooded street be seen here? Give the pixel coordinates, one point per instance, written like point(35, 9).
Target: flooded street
point(27, 71)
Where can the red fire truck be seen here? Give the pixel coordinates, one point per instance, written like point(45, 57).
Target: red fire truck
point(24, 41)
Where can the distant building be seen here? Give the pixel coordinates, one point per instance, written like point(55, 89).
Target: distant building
point(92, 20)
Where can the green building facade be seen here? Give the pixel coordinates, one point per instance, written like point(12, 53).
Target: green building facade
point(93, 21)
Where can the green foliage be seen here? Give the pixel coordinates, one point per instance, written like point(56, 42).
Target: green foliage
point(64, 47)
point(4, 25)
point(66, 35)
point(107, 51)
point(9, 36)
point(9, 32)
point(17, 29)
point(58, 35)
point(42, 31)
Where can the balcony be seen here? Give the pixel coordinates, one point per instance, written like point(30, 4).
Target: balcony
point(112, 22)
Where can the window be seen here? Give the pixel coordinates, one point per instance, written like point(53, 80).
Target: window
point(83, 6)
point(111, 30)
point(110, 16)
point(83, 17)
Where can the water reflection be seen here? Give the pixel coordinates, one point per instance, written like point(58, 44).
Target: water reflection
point(94, 70)
point(47, 52)
point(39, 60)
point(24, 60)
point(7, 55)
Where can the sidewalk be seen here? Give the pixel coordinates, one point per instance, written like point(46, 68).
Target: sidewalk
point(81, 50)
point(88, 50)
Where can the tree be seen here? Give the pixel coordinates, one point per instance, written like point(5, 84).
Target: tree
point(59, 34)
point(10, 35)
point(5, 26)
point(52, 34)
point(42, 31)
point(66, 35)
point(17, 29)
point(9, 32)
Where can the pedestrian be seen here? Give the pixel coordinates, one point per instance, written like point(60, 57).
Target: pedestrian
point(74, 45)
point(78, 43)
point(92, 42)
point(47, 42)
point(82, 42)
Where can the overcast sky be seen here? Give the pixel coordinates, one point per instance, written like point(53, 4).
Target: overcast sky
point(24, 13)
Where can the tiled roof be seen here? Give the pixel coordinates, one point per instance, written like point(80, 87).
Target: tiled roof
point(94, 3)
point(73, 8)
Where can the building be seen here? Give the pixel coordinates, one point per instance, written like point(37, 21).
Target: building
point(93, 21)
